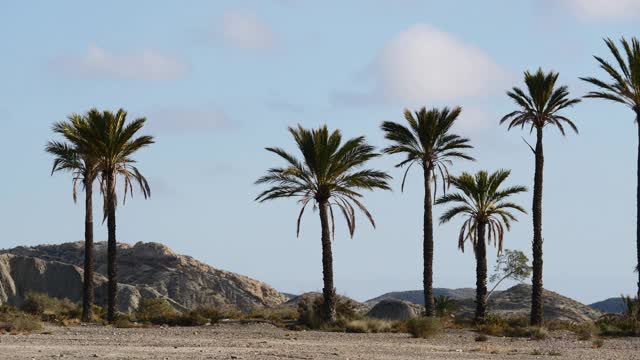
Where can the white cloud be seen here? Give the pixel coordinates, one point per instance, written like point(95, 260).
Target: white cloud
point(244, 30)
point(423, 65)
point(426, 64)
point(604, 9)
point(146, 64)
point(180, 121)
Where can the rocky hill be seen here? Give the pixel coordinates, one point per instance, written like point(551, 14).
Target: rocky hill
point(144, 269)
point(417, 296)
point(511, 302)
point(613, 305)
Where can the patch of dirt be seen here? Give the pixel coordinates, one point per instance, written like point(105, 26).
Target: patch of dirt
point(263, 341)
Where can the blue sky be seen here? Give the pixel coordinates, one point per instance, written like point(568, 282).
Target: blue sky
point(219, 81)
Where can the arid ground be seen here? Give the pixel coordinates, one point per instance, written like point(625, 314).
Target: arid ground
point(263, 341)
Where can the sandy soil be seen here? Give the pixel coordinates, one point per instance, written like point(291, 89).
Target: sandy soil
point(263, 341)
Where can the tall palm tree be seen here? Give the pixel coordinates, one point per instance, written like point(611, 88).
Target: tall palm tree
point(623, 88)
point(539, 107)
point(113, 142)
point(329, 176)
point(68, 157)
point(485, 206)
point(429, 143)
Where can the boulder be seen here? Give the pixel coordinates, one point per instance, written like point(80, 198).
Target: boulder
point(393, 310)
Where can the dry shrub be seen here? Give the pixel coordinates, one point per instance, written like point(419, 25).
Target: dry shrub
point(481, 338)
point(368, 325)
point(597, 343)
point(310, 314)
point(424, 327)
point(14, 321)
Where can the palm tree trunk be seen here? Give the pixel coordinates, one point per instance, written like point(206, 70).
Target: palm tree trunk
point(427, 247)
point(328, 292)
point(87, 287)
point(536, 294)
point(111, 248)
point(638, 204)
point(481, 274)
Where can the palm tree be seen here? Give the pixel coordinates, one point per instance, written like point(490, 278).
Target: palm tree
point(487, 213)
point(329, 176)
point(624, 88)
point(113, 142)
point(68, 157)
point(540, 107)
point(428, 142)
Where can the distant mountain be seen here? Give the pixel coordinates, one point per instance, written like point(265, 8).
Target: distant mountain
point(417, 296)
point(613, 305)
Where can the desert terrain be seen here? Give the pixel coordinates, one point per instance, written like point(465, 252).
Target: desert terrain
point(264, 341)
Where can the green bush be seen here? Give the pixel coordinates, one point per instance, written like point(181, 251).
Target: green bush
point(445, 305)
point(618, 326)
point(156, 311)
point(425, 327)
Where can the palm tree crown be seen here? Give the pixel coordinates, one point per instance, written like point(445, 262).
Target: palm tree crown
point(427, 141)
point(541, 105)
point(112, 140)
point(625, 82)
point(488, 213)
point(68, 155)
point(329, 172)
point(482, 201)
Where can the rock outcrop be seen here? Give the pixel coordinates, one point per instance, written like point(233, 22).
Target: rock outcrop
point(20, 275)
point(145, 270)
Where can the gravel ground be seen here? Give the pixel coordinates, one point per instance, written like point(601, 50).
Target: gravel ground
point(263, 341)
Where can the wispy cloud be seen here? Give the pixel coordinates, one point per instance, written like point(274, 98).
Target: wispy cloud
point(243, 29)
point(604, 9)
point(181, 121)
point(423, 65)
point(97, 62)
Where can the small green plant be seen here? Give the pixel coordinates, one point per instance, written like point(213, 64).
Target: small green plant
point(631, 307)
point(445, 305)
point(425, 327)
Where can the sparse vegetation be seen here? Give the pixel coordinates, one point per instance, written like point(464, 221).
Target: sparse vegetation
point(369, 325)
point(481, 338)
